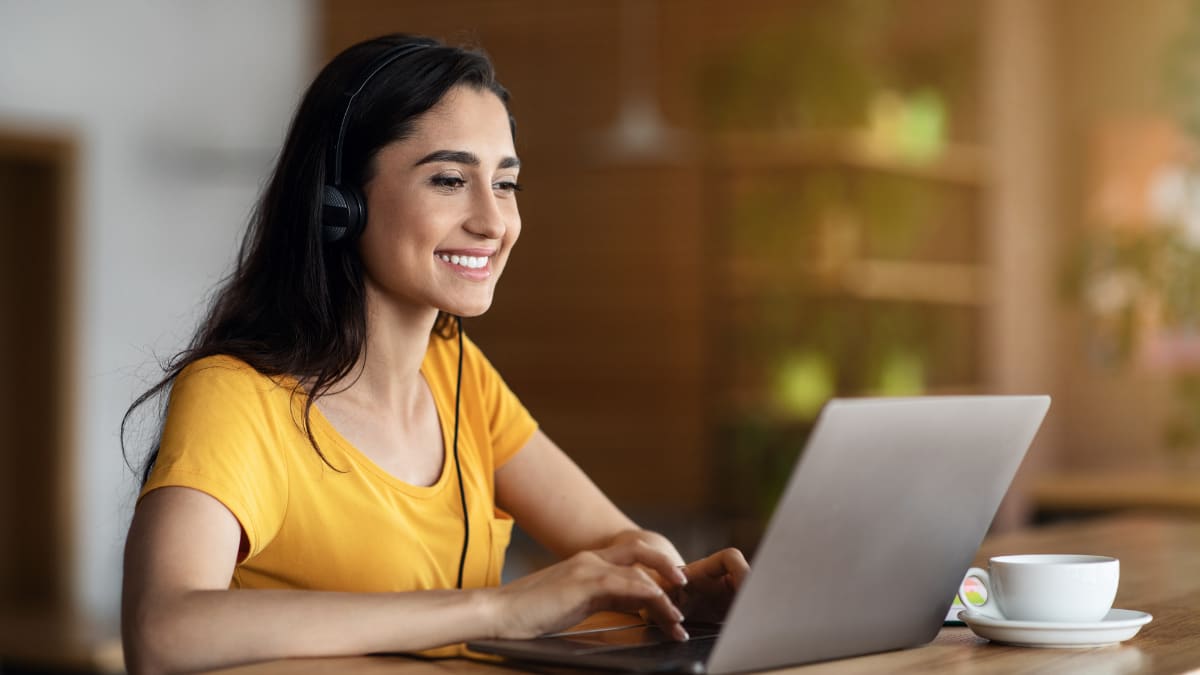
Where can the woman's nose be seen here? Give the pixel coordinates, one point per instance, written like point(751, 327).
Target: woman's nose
point(487, 217)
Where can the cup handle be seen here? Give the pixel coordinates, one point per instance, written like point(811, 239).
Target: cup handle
point(988, 608)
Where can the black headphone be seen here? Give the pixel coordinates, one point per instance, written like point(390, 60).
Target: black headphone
point(343, 207)
point(343, 217)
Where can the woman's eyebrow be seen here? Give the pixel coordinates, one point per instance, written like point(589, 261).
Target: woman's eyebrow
point(455, 156)
point(464, 157)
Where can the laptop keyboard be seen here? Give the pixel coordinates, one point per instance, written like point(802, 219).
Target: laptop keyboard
point(692, 650)
point(638, 649)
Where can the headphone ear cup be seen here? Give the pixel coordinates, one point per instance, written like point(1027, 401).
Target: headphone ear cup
point(343, 213)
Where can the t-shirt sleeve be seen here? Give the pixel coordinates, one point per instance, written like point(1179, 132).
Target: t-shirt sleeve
point(218, 439)
point(509, 422)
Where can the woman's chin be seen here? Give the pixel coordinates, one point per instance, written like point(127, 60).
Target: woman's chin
point(468, 309)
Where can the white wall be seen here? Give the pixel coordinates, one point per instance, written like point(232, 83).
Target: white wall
point(179, 107)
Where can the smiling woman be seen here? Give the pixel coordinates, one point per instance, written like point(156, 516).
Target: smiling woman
point(339, 468)
point(444, 209)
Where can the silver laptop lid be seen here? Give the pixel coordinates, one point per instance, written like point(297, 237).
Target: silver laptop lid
point(883, 514)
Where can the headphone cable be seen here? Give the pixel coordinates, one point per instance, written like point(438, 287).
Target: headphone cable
point(462, 492)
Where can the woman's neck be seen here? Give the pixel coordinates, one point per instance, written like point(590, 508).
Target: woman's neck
point(388, 373)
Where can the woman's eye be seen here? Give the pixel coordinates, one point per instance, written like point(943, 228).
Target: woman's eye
point(507, 186)
point(448, 182)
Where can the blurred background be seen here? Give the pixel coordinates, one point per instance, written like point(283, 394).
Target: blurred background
point(733, 212)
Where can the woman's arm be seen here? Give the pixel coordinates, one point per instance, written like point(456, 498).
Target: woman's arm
point(560, 507)
point(563, 510)
point(178, 614)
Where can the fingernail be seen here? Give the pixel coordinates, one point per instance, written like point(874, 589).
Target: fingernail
point(684, 633)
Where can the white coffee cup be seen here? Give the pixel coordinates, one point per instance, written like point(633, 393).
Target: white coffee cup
point(1046, 587)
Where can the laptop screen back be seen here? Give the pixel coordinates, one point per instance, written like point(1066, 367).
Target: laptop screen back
point(883, 514)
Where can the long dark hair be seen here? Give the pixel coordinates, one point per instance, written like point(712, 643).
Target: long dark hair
point(293, 305)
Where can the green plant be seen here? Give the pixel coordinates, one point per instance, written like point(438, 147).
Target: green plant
point(1137, 277)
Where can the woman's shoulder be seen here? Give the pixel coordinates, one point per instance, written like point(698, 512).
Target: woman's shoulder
point(224, 362)
point(228, 374)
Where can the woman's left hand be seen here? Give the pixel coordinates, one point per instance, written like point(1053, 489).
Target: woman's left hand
point(712, 583)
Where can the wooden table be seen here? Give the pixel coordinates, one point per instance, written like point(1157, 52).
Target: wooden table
point(1160, 574)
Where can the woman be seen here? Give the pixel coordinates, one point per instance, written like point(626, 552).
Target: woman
point(339, 467)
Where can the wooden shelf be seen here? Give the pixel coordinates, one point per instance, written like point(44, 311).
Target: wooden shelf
point(893, 280)
point(847, 261)
point(946, 283)
point(1111, 491)
point(957, 163)
point(751, 403)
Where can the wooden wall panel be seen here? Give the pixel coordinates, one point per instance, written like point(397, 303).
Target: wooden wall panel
point(608, 319)
point(598, 323)
point(34, 477)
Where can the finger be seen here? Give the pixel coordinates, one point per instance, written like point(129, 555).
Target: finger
point(641, 553)
point(664, 614)
point(667, 617)
point(728, 561)
point(735, 566)
point(626, 582)
point(630, 589)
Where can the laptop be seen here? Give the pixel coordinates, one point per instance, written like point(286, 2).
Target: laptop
point(885, 509)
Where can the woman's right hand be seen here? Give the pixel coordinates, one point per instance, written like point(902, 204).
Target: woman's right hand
point(611, 578)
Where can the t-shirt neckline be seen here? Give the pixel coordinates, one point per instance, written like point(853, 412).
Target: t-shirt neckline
point(326, 428)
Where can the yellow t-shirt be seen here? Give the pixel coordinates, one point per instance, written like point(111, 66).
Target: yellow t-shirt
point(236, 435)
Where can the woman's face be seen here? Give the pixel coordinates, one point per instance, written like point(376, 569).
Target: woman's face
point(442, 207)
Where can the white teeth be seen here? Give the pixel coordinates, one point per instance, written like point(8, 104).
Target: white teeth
point(468, 261)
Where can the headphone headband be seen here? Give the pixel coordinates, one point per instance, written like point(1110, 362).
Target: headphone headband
point(343, 207)
point(383, 61)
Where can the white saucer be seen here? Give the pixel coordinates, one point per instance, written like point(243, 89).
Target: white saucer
point(1117, 625)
